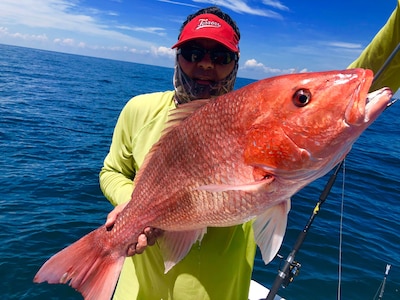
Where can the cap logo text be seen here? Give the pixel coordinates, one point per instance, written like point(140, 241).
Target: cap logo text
point(206, 23)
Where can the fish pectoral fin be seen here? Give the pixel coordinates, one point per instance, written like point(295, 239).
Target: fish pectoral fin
point(269, 229)
point(248, 187)
point(174, 245)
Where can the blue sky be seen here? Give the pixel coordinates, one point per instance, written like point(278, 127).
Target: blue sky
point(277, 36)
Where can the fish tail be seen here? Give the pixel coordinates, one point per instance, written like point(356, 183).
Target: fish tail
point(86, 265)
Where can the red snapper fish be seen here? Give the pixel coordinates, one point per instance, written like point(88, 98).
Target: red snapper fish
point(225, 161)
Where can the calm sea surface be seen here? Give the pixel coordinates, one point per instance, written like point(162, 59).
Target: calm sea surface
point(57, 114)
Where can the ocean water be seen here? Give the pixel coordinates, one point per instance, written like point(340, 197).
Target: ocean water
point(57, 114)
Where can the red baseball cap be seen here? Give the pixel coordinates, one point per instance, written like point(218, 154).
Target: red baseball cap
point(209, 26)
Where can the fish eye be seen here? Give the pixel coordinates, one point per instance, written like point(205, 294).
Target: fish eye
point(301, 97)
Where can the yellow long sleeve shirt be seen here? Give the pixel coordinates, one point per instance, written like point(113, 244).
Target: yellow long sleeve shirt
point(379, 49)
point(219, 267)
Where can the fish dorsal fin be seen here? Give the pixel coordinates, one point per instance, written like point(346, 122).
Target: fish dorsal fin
point(269, 229)
point(176, 117)
point(179, 114)
point(174, 245)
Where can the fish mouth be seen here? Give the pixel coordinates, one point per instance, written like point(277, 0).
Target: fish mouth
point(377, 102)
point(366, 111)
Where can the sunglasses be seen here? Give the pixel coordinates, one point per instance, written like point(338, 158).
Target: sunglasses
point(220, 57)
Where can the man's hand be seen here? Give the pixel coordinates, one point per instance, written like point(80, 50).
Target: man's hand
point(112, 216)
point(147, 238)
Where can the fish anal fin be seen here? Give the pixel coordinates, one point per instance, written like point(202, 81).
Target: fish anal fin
point(269, 230)
point(174, 245)
point(85, 266)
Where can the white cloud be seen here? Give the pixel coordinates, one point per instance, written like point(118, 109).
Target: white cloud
point(22, 36)
point(240, 6)
point(178, 3)
point(275, 4)
point(153, 30)
point(137, 51)
point(253, 64)
point(345, 45)
point(257, 70)
point(163, 51)
point(46, 13)
point(64, 42)
point(72, 28)
point(61, 15)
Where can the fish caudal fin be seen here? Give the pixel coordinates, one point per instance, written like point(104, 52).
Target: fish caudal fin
point(269, 229)
point(86, 265)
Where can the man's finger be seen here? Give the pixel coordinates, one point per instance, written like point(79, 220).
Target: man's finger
point(141, 244)
point(112, 216)
point(152, 234)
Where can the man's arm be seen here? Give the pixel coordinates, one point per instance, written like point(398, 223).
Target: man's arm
point(379, 49)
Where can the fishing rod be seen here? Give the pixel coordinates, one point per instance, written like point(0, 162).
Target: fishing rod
point(386, 63)
point(384, 66)
point(382, 287)
point(291, 268)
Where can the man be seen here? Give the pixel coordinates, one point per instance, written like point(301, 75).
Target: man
point(220, 266)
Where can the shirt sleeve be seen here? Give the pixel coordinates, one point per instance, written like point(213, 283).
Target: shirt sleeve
point(117, 174)
point(139, 126)
point(377, 52)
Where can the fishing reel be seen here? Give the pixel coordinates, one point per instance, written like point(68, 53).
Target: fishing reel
point(291, 272)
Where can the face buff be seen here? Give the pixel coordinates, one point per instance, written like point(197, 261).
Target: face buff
point(186, 89)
